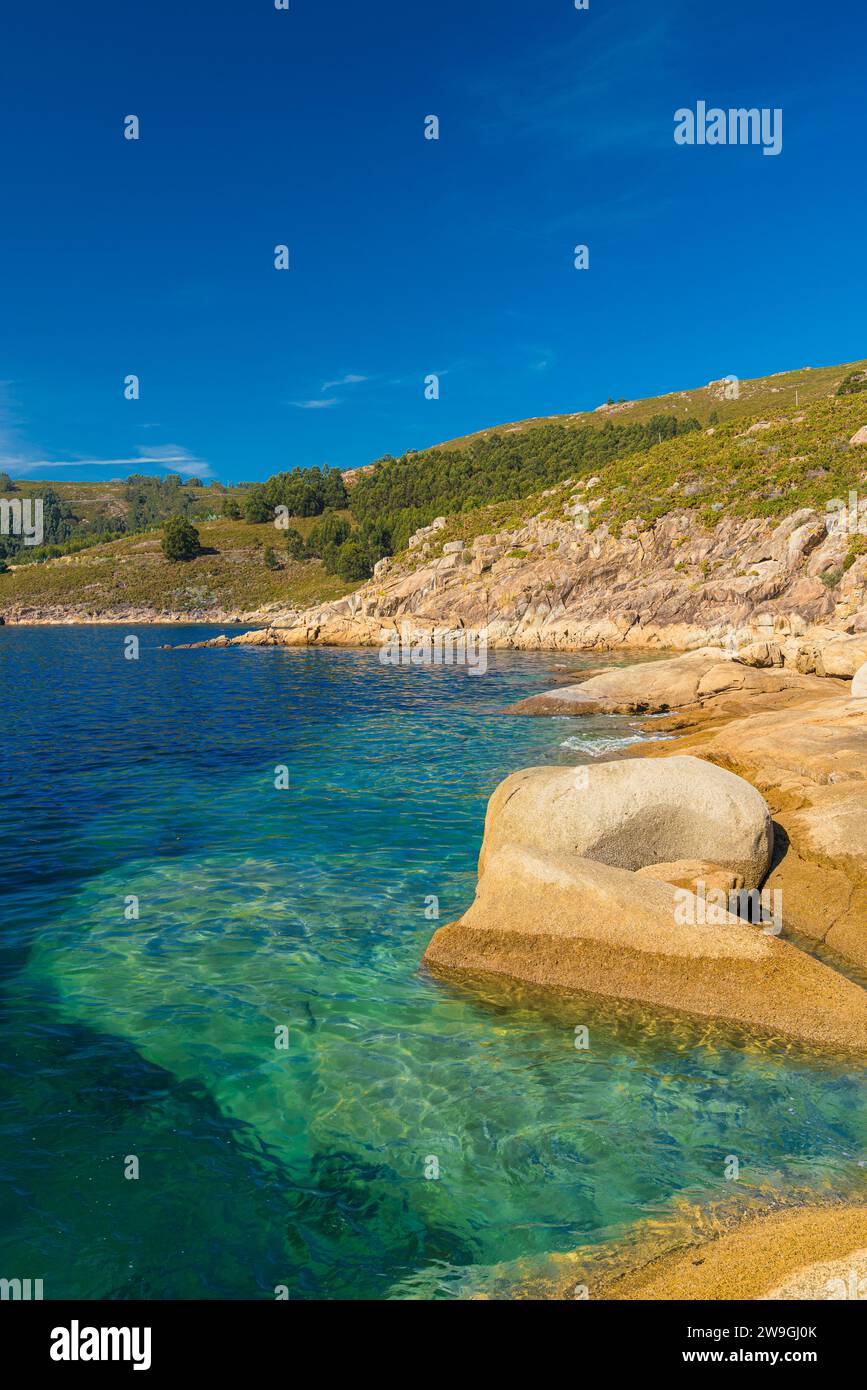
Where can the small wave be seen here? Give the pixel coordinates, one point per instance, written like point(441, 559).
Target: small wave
point(607, 743)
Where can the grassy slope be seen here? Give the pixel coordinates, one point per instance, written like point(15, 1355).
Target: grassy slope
point(96, 501)
point(727, 472)
point(779, 394)
point(133, 573)
point(801, 459)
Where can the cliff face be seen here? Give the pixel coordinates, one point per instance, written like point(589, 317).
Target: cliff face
point(555, 585)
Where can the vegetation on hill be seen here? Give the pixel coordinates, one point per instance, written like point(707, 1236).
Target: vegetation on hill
point(230, 574)
point(771, 468)
point(403, 494)
point(306, 492)
point(851, 384)
point(766, 468)
point(78, 515)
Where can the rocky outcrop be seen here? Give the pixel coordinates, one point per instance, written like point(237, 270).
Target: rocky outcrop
point(808, 761)
point(552, 583)
point(555, 582)
point(578, 926)
point(805, 1252)
point(685, 682)
point(635, 813)
point(801, 740)
point(698, 875)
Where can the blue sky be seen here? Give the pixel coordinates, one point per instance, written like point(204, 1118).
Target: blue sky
point(408, 257)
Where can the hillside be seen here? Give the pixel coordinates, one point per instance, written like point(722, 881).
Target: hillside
point(130, 578)
point(784, 391)
point(670, 503)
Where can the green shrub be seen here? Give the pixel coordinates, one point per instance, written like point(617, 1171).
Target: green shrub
point(180, 539)
point(295, 546)
point(858, 546)
point(851, 384)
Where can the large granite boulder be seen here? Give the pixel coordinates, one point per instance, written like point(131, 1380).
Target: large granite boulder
point(572, 924)
point(634, 813)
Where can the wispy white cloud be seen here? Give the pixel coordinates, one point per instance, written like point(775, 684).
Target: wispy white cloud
point(173, 458)
point(351, 380)
point(20, 459)
point(317, 403)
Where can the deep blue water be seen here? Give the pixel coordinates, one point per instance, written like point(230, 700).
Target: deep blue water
point(304, 909)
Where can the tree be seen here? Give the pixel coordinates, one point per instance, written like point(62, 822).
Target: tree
point(351, 561)
point(327, 534)
point(231, 510)
point(180, 539)
point(257, 508)
point(6, 483)
point(151, 500)
point(295, 544)
point(271, 561)
point(376, 537)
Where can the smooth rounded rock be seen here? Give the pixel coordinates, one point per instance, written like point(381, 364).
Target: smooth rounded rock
point(636, 812)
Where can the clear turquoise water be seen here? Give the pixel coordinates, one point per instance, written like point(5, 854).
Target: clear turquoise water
point(305, 908)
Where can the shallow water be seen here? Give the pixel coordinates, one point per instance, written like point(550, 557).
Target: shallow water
point(304, 909)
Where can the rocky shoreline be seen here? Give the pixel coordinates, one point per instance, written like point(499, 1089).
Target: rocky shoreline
point(814, 1251)
point(759, 788)
point(636, 880)
point(555, 582)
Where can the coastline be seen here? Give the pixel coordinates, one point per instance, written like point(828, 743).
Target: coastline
point(793, 1245)
point(809, 1250)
